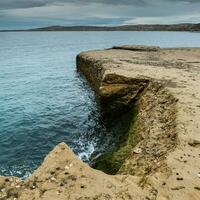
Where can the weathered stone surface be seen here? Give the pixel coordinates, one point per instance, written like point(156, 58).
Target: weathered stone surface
point(137, 48)
point(164, 162)
point(118, 93)
point(71, 179)
point(168, 114)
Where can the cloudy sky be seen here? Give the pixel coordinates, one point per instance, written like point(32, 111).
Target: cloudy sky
point(18, 14)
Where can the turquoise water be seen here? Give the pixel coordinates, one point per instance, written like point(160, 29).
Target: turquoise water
point(44, 101)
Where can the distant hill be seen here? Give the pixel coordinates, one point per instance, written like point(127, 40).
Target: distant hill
point(156, 27)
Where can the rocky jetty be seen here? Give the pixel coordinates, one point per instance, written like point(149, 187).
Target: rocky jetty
point(157, 93)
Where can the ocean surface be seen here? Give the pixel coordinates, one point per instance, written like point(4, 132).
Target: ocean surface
point(44, 101)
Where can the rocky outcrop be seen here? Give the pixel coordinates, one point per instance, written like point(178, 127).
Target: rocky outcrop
point(155, 94)
point(154, 106)
point(62, 176)
point(152, 80)
point(117, 93)
point(137, 48)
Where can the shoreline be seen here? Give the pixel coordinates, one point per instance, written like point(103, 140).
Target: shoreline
point(163, 162)
point(118, 95)
point(168, 108)
point(137, 27)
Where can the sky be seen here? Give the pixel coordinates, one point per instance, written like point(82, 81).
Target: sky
point(24, 14)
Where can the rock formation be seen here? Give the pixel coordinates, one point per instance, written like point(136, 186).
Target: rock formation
point(161, 144)
point(62, 176)
point(156, 91)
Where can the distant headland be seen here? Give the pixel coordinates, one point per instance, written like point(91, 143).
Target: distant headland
point(141, 27)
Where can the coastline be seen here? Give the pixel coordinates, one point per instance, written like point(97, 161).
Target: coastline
point(166, 154)
point(163, 84)
point(191, 27)
point(119, 95)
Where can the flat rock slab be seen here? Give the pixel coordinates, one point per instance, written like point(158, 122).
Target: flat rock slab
point(178, 71)
point(137, 48)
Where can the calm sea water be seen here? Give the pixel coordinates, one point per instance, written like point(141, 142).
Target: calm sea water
point(44, 101)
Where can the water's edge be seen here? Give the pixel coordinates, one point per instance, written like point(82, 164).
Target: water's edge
point(122, 103)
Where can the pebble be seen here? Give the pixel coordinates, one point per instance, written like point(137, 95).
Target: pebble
point(66, 167)
point(32, 185)
point(11, 179)
point(58, 192)
point(70, 165)
point(17, 180)
point(53, 179)
point(3, 190)
point(137, 150)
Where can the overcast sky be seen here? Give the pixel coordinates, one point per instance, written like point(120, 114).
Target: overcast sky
point(38, 13)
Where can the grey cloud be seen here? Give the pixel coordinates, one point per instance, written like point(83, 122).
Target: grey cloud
point(15, 4)
point(190, 1)
point(89, 12)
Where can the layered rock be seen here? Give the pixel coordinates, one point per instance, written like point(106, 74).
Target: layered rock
point(160, 83)
point(62, 176)
point(156, 91)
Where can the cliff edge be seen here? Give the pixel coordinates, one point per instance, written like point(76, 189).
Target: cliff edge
point(162, 143)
